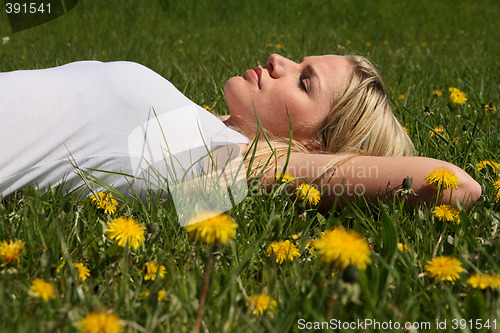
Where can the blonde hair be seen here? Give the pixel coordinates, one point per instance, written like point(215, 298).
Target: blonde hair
point(361, 122)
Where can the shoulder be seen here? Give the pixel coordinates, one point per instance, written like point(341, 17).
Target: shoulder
point(125, 70)
point(126, 65)
point(121, 70)
point(132, 80)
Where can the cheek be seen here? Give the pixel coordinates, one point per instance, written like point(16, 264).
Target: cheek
point(305, 115)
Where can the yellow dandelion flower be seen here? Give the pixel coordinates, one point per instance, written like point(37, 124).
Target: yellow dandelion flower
point(402, 247)
point(207, 107)
point(161, 295)
point(487, 164)
point(152, 270)
point(126, 232)
point(489, 107)
point(348, 42)
point(269, 44)
point(100, 322)
point(437, 93)
point(442, 177)
point(283, 251)
point(495, 282)
point(105, 202)
point(368, 44)
point(286, 178)
point(83, 271)
point(309, 193)
point(42, 289)
point(278, 46)
point(482, 281)
point(341, 248)
point(10, 252)
point(406, 130)
point(444, 268)
point(259, 304)
point(457, 96)
point(310, 246)
point(401, 96)
point(446, 213)
point(440, 130)
point(60, 267)
point(497, 186)
point(218, 229)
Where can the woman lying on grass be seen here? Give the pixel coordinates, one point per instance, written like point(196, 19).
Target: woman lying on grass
point(118, 116)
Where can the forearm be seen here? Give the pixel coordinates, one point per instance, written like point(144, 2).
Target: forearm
point(381, 177)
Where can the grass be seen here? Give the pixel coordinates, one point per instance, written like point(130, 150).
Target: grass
point(420, 46)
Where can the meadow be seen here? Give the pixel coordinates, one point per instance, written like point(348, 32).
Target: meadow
point(422, 49)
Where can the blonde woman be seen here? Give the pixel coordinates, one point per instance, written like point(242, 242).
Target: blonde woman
point(346, 139)
point(118, 120)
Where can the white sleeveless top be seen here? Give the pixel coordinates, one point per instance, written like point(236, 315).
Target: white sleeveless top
point(120, 122)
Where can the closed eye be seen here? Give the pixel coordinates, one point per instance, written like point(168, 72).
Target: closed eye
point(304, 84)
point(312, 80)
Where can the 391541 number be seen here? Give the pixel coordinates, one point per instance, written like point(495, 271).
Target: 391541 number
point(26, 8)
point(474, 324)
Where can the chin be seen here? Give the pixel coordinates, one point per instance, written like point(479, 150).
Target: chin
point(235, 98)
point(234, 83)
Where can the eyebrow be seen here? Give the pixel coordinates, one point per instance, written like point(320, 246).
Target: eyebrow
point(312, 72)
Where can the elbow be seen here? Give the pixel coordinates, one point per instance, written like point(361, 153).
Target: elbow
point(476, 190)
point(469, 191)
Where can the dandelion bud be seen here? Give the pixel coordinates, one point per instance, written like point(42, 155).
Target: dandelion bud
point(350, 274)
point(44, 260)
point(492, 108)
point(407, 183)
point(427, 111)
point(276, 224)
point(154, 228)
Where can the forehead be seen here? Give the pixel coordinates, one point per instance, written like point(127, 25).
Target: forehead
point(334, 71)
point(329, 64)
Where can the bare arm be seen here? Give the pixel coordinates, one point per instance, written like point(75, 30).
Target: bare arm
point(374, 176)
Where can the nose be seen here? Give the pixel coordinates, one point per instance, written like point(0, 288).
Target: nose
point(278, 65)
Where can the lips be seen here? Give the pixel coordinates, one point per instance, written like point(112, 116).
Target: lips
point(253, 75)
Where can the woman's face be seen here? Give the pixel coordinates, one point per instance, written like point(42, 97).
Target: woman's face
point(305, 90)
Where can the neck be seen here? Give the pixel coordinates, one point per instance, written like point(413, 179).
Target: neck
point(230, 122)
